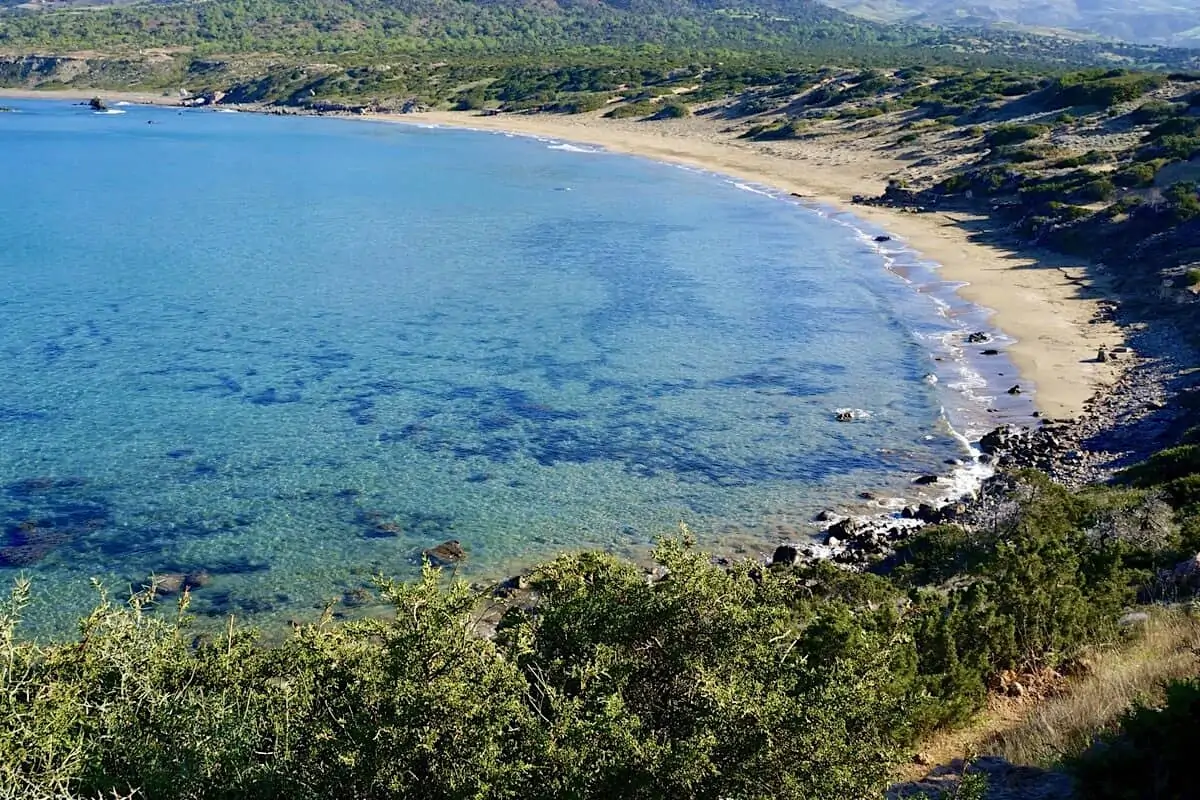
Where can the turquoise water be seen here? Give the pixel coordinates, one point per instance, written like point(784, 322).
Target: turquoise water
point(294, 352)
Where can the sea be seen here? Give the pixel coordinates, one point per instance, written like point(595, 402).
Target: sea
point(291, 353)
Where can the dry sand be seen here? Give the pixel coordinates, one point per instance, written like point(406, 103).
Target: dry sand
point(1037, 298)
point(1041, 300)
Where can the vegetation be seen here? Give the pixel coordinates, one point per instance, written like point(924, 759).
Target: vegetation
point(711, 682)
point(738, 682)
point(1154, 753)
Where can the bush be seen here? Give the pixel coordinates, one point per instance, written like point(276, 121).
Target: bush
point(581, 104)
point(1003, 135)
point(1154, 112)
point(1102, 88)
point(1137, 175)
point(1153, 755)
point(1166, 465)
point(742, 682)
point(641, 108)
point(1101, 189)
point(710, 683)
point(673, 109)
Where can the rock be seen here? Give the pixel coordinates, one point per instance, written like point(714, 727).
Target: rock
point(827, 515)
point(926, 480)
point(445, 554)
point(1016, 389)
point(1133, 619)
point(833, 541)
point(867, 496)
point(172, 583)
point(843, 416)
point(928, 514)
point(979, 337)
point(883, 238)
point(923, 760)
point(169, 584)
point(1015, 689)
point(844, 529)
point(989, 353)
point(96, 104)
point(999, 439)
point(786, 555)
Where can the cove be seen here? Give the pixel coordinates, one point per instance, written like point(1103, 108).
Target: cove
point(291, 353)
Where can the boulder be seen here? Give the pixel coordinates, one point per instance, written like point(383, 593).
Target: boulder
point(786, 555)
point(979, 337)
point(445, 554)
point(926, 480)
point(928, 514)
point(1186, 574)
point(1016, 389)
point(999, 439)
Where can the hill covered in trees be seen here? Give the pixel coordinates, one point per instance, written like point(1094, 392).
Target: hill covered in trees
point(366, 29)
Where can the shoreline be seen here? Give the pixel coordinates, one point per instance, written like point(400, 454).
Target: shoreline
point(1048, 329)
point(1034, 298)
point(1038, 300)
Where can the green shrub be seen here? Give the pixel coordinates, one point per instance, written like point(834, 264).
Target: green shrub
point(1165, 465)
point(787, 130)
point(1003, 135)
point(1102, 88)
point(581, 104)
point(673, 109)
point(641, 108)
point(1100, 189)
point(1154, 112)
point(1137, 175)
point(1153, 755)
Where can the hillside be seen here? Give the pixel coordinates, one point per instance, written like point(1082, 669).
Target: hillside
point(1166, 22)
point(368, 29)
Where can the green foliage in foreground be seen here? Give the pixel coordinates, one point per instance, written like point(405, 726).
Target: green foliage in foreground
point(740, 682)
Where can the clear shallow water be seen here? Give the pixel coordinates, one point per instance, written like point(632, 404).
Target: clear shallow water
point(294, 352)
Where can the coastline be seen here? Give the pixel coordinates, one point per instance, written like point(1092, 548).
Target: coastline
point(1038, 299)
point(1044, 308)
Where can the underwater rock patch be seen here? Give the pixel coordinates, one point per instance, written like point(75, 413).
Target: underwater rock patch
point(445, 554)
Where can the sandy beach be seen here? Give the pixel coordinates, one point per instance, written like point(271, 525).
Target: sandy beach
point(1040, 299)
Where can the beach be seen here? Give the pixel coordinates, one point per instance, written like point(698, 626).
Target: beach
point(1042, 300)
point(1038, 298)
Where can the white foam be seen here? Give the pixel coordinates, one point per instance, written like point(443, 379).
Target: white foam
point(571, 148)
point(109, 111)
point(745, 187)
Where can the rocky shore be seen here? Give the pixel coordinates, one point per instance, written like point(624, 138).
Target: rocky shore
point(1144, 411)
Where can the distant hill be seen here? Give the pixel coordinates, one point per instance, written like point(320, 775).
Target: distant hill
point(1166, 22)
